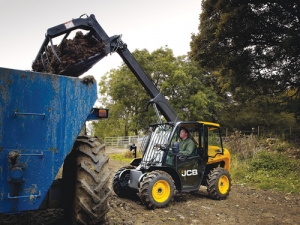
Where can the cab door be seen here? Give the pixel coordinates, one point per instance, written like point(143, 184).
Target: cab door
point(191, 168)
point(189, 171)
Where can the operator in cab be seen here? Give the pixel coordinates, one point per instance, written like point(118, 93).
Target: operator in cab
point(187, 145)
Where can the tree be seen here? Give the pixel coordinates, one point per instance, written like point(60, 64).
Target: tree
point(179, 79)
point(251, 45)
point(126, 99)
point(264, 111)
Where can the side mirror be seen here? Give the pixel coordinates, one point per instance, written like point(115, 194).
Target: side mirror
point(175, 148)
point(133, 147)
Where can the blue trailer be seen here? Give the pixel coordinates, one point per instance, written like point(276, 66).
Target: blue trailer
point(41, 117)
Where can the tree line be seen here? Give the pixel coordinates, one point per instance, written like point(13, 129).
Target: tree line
point(242, 71)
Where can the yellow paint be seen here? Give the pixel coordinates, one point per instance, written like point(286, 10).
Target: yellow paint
point(213, 157)
point(210, 123)
point(161, 191)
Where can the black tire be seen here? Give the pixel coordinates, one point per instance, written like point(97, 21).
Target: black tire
point(85, 182)
point(157, 189)
point(120, 185)
point(218, 183)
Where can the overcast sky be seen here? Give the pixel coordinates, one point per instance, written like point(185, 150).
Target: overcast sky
point(143, 24)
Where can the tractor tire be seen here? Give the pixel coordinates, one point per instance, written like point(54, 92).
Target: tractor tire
point(85, 182)
point(218, 183)
point(120, 185)
point(157, 189)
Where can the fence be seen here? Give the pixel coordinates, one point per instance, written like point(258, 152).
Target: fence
point(125, 141)
point(122, 141)
point(262, 132)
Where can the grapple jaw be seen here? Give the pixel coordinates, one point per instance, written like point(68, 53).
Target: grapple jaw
point(81, 67)
point(73, 57)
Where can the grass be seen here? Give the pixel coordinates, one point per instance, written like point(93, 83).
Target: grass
point(125, 157)
point(265, 166)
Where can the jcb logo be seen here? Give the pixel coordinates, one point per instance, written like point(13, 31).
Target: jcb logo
point(187, 173)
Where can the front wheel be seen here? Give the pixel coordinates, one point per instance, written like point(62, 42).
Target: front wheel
point(218, 183)
point(120, 183)
point(157, 189)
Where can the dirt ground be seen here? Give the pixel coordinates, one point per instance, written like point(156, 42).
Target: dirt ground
point(244, 205)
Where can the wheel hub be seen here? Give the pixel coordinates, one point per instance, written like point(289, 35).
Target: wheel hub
point(223, 184)
point(161, 191)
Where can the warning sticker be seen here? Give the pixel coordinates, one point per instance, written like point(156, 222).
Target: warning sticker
point(69, 24)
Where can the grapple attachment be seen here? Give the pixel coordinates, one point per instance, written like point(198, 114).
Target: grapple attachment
point(73, 57)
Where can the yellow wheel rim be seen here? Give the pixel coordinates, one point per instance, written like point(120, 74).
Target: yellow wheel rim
point(223, 184)
point(161, 191)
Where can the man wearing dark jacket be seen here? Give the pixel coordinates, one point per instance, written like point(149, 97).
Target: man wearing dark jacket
point(187, 145)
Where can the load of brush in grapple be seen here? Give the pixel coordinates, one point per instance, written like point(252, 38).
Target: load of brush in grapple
point(75, 57)
point(71, 57)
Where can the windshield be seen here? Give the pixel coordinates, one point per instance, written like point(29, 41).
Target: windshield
point(158, 140)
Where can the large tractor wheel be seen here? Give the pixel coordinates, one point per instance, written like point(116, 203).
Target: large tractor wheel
point(157, 189)
point(120, 184)
point(218, 183)
point(85, 182)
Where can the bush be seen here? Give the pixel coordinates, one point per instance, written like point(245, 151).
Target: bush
point(268, 170)
point(268, 161)
point(243, 146)
point(264, 163)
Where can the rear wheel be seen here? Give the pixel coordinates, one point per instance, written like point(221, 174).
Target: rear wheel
point(120, 183)
point(219, 183)
point(85, 179)
point(157, 189)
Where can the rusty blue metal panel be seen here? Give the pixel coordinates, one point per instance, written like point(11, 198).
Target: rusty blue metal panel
point(41, 116)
